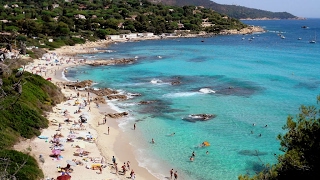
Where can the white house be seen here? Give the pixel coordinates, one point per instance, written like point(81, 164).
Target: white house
point(79, 16)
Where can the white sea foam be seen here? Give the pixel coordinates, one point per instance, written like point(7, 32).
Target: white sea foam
point(113, 106)
point(207, 90)
point(63, 76)
point(180, 94)
point(146, 161)
point(155, 81)
point(109, 51)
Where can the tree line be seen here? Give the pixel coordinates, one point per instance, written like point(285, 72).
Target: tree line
point(72, 21)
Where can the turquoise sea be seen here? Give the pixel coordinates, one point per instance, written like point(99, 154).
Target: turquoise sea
point(255, 79)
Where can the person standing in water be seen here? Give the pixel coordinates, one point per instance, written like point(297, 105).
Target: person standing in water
point(176, 175)
point(171, 173)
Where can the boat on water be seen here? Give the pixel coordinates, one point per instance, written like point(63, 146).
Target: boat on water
point(313, 41)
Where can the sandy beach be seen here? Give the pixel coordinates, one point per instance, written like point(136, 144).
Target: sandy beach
point(87, 145)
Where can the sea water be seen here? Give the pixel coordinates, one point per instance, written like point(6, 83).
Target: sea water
point(250, 82)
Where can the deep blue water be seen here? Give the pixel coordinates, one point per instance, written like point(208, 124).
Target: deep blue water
point(260, 82)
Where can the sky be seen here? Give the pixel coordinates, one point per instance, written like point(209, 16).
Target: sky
point(300, 8)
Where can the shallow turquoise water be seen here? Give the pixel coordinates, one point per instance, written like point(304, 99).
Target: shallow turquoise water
point(257, 82)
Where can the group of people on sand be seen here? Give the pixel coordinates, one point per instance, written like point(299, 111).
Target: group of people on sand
point(173, 174)
point(125, 167)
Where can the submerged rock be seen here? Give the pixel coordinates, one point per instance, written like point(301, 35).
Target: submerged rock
point(117, 115)
point(111, 62)
point(146, 102)
point(117, 96)
point(252, 153)
point(199, 117)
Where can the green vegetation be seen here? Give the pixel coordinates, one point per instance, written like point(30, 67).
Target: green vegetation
point(238, 12)
point(301, 147)
point(24, 97)
point(76, 21)
point(18, 165)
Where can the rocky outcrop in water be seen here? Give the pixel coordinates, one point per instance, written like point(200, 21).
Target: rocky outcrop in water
point(199, 117)
point(103, 91)
point(117, 96)
point(111, 62)
point(117, 115)
point(81, 84)
point(146, 102)
point(247, 30)
point(175, 83)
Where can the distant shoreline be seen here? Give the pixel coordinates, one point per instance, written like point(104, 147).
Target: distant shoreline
point(269, 19)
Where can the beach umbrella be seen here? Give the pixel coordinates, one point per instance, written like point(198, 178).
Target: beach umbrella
point(64, 177)
point(72, 136)
point(56, 151)
point(72, 163)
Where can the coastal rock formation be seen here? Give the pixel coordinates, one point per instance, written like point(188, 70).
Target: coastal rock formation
point(99, 99)
point(111, 62)
point(81, 84)
point(117, 96)
point(103, 91)
point(117, 115)
point(146, 102)
point(198, 117)
point(175, 83)
point(247, 30)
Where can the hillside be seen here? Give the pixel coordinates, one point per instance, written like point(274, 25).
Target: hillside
point(238, 12)
point(72, 22)
point(24, 99)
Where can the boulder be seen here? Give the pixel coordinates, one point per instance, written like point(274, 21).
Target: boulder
point(117, 115)
point(80, 84)
point(117, 96)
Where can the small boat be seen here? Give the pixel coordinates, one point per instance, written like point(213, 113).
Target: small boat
point(313, 41)
point(299, 38)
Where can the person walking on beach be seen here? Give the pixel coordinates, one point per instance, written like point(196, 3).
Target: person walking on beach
point(134, 126)
point(128, 165)
point(171, 173)
point(175, 175)
point(108, 130)
point(114, 160)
